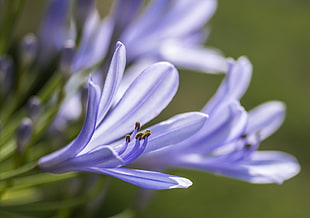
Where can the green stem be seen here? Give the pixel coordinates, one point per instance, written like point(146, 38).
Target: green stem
point(57, 205)
point(18, 172)
point(9, 21)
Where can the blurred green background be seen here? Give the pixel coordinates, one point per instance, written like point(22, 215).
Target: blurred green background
point(275, 36)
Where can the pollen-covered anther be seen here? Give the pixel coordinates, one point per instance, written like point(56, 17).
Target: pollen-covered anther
point(143, 135)
point(139, 135)
point(243, 136)
point(137, 126)
point(248, 145)
point(127, 137)
point(146, 134)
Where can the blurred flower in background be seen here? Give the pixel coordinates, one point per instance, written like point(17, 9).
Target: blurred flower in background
point(57, 121)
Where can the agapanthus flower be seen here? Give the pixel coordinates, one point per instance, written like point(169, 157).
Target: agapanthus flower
point(227, 143)
point(102, 146)
point(158, 27)
point(170, 30)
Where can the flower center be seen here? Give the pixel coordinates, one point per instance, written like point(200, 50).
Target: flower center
point(133, 147)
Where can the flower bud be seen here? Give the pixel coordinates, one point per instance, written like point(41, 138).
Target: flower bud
point(6, 75)
point(66, 59)
point(28, 49)
point(23, 134)
point(34, 107)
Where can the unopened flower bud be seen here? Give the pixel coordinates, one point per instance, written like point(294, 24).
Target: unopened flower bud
point(34, 107)
point(23, 134)
point(28, 50)
point(6, 75)
point(66, 60)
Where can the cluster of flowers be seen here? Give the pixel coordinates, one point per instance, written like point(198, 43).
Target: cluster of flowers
point(127, 88)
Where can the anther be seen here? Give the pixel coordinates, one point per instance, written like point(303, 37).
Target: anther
point(137, 126)
point(243, 136)
point(127, 137)
point(139, 135)
point(146, 134)
point(248, 145)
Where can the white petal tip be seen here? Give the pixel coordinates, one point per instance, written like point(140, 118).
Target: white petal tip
point(181, 182)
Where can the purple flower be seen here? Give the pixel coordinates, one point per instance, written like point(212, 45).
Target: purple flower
point(227, 143)
point(102, 146)
point(170, 30)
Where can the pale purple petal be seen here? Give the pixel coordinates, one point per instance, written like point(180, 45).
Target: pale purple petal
point(145, 179)
point(234, 85)
point(103, 156)
point(175, 130)
point(53, 30)
point(146, 97)
point(266, 118)
point(193, 57)
point(95, 42)
point(131, 74)
point(161, 20)
point(84, 136)
point(262, 167)
point(222, 127)
point(112, 81)
point(195, 15)
point(123, 14)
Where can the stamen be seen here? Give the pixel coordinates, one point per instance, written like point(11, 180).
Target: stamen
point(125, 146)
point(127, 137)
point(243, 136)
point(137, 126)
point(248, 146)
point(138, 149)
point(146, 134)
point(139, 135)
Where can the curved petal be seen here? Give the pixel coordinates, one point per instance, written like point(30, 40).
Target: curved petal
point(146, 97)
point(175, 130)
point(221, 128)
point(145, 179)
point(103, 157)
point(112, 81)
point(195, 15)
point(95, 43)
point(161, 21)
point(53, 30)
point(193, 57)
point(233, 86)
point(123, 14)
point(262, 167)
point(49, 161)
point(131, 74)
point(266, 118)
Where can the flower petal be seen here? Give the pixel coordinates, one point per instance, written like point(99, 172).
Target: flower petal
point(175, 130)
point(233, 86)
point(123, 14)
point(266, 118)
point(112, 80)
point(193, 57)
point(145, 179)
point(53, 30)
point(262, 167)
point(47, 162)
point(104, 156)
point(221, 128)
point(94, 44)
point(146, 97)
